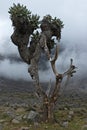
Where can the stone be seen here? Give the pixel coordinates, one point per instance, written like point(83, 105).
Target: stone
point(65, 124)
point(33, 116)
point(65, 108)
point(69, 118)
point(71, 113)
point(15, 121)
point(11, 113)
point(24, 117)
point(2, 120)
point(19, 118)
point(46, 127)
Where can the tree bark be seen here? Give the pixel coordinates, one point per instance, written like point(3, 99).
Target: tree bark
point(48, 110)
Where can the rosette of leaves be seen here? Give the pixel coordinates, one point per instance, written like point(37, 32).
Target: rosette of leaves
point(35, 37)
point(22, 19)
point(48, 18)
point(46, 23)
point(56, 27)
point(57, 22)
point(54, 24)
point(34, 21)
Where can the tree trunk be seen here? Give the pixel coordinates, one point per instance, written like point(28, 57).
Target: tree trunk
point(48, 111)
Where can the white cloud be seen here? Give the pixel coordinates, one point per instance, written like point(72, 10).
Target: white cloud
point(14, 70)
point(74, 15)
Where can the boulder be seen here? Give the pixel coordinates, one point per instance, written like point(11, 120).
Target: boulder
point(65, 124)
point(33, 116)
point(15, 121)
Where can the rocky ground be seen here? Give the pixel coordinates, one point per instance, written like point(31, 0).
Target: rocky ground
point(16, 113)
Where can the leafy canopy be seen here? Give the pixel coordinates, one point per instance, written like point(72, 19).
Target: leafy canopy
point(25, 22)
point(23, 19)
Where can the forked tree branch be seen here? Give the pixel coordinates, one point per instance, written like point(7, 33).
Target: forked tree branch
point(71, 70)
point(58, 76)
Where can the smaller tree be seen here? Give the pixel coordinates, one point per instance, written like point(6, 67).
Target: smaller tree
point(25, 24)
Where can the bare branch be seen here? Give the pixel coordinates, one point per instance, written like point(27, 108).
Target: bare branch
point(59, 77)
point(55, 93)
point(54, 60)
point(70, 71)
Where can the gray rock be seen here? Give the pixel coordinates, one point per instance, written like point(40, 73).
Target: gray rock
point(19, 118)
point(24, 117)
point(65, 108)
point(65, 124)
point(11, 113)
point(2, 120)
point(15, 121)
point(46, 127)
point(69, 118)
point(71, 113)
point(31, 116)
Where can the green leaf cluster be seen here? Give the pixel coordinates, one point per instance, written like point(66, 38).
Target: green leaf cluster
point(57, 22)
point(19, 11)
point(54, 21)
point(35, 37)
point(34, 21)
point(23, 19)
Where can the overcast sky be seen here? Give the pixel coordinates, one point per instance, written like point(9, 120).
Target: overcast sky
point(74, 35)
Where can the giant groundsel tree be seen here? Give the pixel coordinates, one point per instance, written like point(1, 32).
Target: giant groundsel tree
point(26, 27)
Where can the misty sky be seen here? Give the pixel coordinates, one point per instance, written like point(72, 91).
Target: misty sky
point(74, 35)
